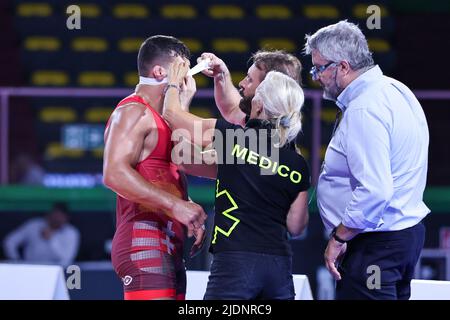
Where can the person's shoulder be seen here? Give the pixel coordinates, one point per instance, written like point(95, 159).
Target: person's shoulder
point(299, 157)
point(35, 222)
point(377, 92)
point(131, 108)
point(70, 228)
point(222, 124)
point(298, 160)
point(367, 95)
point(132, 113)
point(301, 160)
point(298, 164)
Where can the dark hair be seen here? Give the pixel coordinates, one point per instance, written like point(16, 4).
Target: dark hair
point(60, 206)
point(158, 50)
point(278, 60)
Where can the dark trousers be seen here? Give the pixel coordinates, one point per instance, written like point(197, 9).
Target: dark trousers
point(239, 275)
point(380, 265)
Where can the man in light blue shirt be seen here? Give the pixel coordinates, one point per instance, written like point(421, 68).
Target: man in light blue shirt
point(371, 187)
point(49, 240)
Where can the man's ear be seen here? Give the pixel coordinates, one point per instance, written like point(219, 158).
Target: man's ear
point(259, 107)
point(158, 72)
point(345, 67)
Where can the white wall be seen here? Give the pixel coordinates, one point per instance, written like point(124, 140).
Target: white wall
point(32, 282)
point(197, 281)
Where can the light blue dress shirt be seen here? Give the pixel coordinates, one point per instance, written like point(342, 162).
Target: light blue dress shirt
point(375, 166)
point(61, 248)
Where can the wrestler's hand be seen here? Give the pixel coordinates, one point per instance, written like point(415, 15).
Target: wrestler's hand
point(200, 236)
point(177, 72)
point(188, 89)
point(190, 214)
point(333, 254)
point(216, 66)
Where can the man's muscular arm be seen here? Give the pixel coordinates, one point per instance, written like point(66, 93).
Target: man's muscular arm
point(124, 143)
point(178, 119)
point(226, 95)
point(195, 161)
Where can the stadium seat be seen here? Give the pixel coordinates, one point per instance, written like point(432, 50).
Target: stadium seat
point(130, 79)
point(57, 114)
point(42, 43)
point(311, 83)
point(328, 115)
point(273, 12)
point(98, 114)
point(90, 10)
point(130, 11)
point(201, 81)
point(96, 78)
point(194, 45)
point(379, 45)
point(203, 112)
point(237, 76)
point(49, 78)
point(360, 11)
point(278, 43)
point(92, 44)
point(323, 150)
point(130, 44)
point(305, 152)
point(178, 11)
point(57, 150)
point(224, 45)
point(321, 12)
point(34, 10)
point(224, 11)
point(97, 153)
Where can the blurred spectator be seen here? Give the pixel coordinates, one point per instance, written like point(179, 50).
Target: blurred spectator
point(24, 170)
point(49, 240)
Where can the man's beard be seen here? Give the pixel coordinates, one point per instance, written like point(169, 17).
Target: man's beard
point(332, 91)
point(245, 104)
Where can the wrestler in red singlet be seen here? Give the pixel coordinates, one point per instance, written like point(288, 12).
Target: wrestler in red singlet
point(147, 250)
point(153, 212)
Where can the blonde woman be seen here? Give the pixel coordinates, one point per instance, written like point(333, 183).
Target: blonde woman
point(261, 187)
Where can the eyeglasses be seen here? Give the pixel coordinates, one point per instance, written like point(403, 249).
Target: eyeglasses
point(316, 71)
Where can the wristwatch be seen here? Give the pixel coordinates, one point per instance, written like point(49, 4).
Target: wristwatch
point(336, 237)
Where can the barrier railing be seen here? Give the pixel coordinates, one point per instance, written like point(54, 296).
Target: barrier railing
point(7, 92)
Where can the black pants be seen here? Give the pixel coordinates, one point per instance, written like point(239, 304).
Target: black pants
point(240, 275)
point(380, 265)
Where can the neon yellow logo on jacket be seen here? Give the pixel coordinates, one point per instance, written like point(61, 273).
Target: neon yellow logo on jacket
point(265, 163)
point(217, 229)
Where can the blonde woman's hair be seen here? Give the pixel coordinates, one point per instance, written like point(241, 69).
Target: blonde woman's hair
point(282, 99)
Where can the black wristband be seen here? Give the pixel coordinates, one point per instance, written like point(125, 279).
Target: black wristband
point(170, 85)
point(336, 237)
